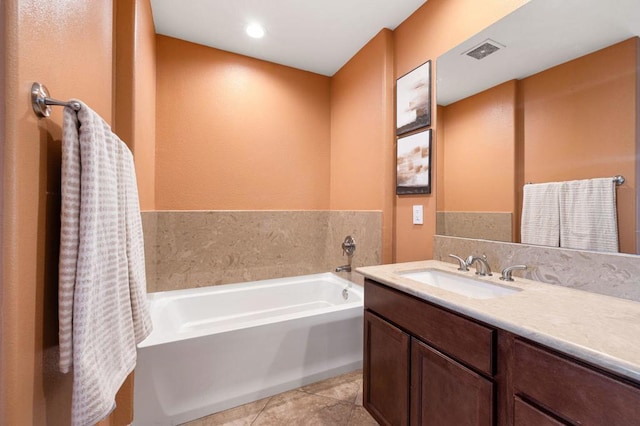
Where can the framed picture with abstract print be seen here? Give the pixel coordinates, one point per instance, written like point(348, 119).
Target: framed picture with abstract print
point(413, 164)
point(413, 99)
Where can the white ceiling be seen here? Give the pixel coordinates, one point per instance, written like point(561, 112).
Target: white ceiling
point(537, 36)
point(313, 35)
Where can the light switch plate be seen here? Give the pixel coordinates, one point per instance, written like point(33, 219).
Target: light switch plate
point(418, 216)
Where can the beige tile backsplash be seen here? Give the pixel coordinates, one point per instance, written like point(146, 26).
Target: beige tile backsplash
point(186, 249)
point(611, 274)
point(494, 225)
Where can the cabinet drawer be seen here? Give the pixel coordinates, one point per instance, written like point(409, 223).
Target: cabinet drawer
point(463, 339)
point(526, 415)
point(574, 392)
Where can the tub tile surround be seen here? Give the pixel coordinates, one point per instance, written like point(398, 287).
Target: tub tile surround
point(186, 249)
point(366, 229)
point(615, 275)
point(497, 225)
point(335, 401)
point(149, 226)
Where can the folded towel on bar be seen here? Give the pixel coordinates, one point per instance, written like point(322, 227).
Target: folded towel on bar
point(103, 309)
point(540, 223)
point(588, 217)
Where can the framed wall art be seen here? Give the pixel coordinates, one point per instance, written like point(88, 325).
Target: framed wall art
point(413, 164)
point(413, 99)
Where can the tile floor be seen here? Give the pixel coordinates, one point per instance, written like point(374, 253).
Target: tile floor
point(332, 402)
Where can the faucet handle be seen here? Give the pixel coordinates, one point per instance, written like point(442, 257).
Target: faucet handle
point(348, 246)
point(506, 272)
point(463, 263)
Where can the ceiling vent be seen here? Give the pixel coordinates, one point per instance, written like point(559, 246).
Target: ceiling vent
point(484, 49)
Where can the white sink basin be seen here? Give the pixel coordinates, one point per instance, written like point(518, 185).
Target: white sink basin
point(465, 286)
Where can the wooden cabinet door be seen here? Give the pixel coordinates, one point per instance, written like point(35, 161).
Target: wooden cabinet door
point(386, 371)
point(444, 392)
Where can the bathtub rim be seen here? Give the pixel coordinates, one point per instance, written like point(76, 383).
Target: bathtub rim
point(156, 339)
point(184, 292)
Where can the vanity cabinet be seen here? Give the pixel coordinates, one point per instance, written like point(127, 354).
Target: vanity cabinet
point(427, 365)
point(570, 391)
point(423, 364)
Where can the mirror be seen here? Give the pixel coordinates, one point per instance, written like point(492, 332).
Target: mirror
point(554, 100)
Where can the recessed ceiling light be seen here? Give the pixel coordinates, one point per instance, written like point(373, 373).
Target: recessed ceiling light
point(255, 30)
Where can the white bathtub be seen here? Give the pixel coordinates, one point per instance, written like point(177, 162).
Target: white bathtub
point(217, 347)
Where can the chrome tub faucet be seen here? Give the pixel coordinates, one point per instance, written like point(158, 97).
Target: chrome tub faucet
point(348, 248)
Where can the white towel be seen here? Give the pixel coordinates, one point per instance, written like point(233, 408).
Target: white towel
point(103, 309)
point(588, 218)
point(540, 223)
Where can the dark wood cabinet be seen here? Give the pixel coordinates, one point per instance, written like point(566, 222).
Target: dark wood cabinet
point(427, 365)
point(423, 364)
point(386, 371)
point(571, 391)
point(444, 392)
point(461, 338)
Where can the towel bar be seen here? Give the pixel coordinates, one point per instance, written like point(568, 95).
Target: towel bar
point(618, 179)
point(40, 101)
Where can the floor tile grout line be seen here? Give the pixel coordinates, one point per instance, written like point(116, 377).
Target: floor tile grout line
point(330, 397)
point(353, 409)
point(260, 412)
point(342, 401)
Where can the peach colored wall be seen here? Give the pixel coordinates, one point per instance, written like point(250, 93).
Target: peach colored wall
point(135, 94)
point(66, 45)
point(362, 164)
point(433, 29)
point(479, 152)
point(438, 169)
point(215, 166)
point(145, 104)
point(238, 133)
point(4, 320)
point(580, 122)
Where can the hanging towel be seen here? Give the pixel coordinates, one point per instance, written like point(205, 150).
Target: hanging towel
point(103, 309)
point(540, 223)
point(588, 218)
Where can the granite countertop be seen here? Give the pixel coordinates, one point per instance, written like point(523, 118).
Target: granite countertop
point(601, 330)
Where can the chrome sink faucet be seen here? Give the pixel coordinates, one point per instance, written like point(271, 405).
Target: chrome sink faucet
point(483, 268)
